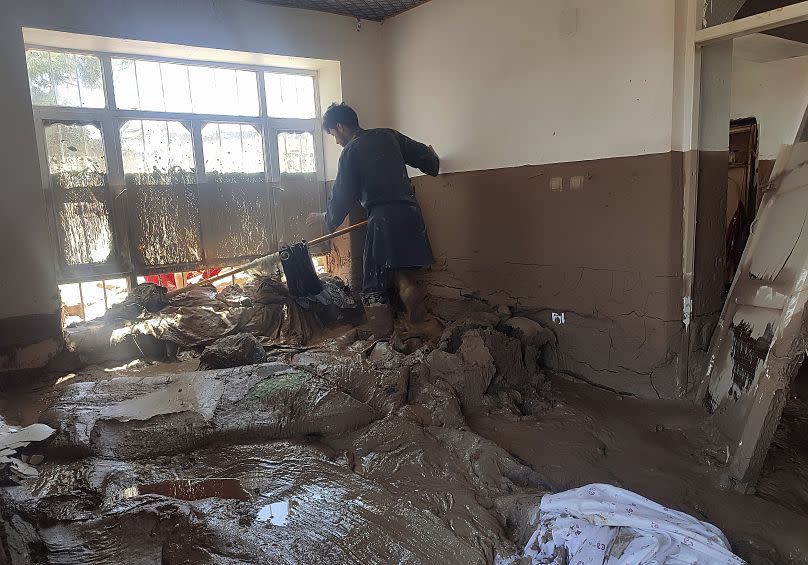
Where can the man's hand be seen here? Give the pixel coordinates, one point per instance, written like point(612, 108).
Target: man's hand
point(315, 218)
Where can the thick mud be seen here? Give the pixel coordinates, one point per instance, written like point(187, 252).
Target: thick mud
point(664, 450)
point(354, 452)
point(784, 479)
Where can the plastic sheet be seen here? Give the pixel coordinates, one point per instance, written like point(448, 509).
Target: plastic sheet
point(604, 524)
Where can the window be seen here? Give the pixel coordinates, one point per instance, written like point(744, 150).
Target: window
point(233, 151)
point(158, 167)
point(65, 79)
point(301, 193)
point(91, 299)
point(290, 96)
point(172, 87)
point(157, 152)
point(78, 177)
point(75, 155)
point(162, 166)
point(296, 151)
point(235, 173)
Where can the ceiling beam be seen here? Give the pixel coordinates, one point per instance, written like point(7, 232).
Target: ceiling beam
point(787, 15)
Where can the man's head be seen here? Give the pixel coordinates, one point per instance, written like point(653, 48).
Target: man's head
point(340, 121)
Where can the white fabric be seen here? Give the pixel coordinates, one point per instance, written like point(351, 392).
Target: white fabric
point(603, 524)
point(264, 266)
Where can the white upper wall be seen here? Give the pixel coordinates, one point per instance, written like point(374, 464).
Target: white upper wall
point(513, 82)
point(775, 93)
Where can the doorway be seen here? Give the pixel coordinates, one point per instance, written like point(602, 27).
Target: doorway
point(752, 66)
point(742, 193)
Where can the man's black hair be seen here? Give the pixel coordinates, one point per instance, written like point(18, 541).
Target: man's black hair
point(340, 114)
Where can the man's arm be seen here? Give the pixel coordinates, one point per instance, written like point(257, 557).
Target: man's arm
point(344, 194)
point(418, 155)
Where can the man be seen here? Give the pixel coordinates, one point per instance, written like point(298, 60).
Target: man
point(373, 170)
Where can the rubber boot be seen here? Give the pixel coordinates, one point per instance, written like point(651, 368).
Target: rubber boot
point(412, 297)
point(380, 320)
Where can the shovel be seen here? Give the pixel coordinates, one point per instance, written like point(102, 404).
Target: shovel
point(295, 260)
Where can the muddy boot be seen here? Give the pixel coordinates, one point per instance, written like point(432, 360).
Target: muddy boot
point(412, 297)
point(380, 320)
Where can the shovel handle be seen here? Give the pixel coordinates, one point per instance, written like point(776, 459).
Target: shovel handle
point(337, 233)
point(235, 271)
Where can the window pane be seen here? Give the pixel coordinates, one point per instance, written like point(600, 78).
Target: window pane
point(247, 86)
point(93, 295)
point(117, 290)
point(236, 202)
point(176, 87)
point(296, 152)
point(40, 78)
point(232, 150)
point(124, 83)
point(158, 165)
point(72, 307)
point(86, 301)
point(65, 79)
point(203, 98)
point(172, 87)
point(150, 85)
point(75, 155)
point(290, 96)
point(157, 152)
point(302, 192)
point(78, 167)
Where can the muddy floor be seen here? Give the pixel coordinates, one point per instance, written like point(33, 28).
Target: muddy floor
point(355, 452)
point(784, 479)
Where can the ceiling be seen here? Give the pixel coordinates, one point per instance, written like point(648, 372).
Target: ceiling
point(794, 32)
point(773, 44)
point(375, 10)
point(764, 48)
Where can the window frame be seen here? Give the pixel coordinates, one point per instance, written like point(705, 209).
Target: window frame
point(110, 118)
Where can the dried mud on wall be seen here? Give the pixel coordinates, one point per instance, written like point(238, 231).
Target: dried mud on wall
point(345, 252)
point(710, 260)
point(597, 241)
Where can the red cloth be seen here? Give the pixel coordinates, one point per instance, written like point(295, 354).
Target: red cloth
point(167, 279)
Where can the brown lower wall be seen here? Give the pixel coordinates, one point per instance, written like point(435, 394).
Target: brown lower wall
point(604, 249)
point(710, 258)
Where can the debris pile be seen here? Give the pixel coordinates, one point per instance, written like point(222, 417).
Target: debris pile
point(232, 351)
point(15, 466)
point(347, 454)
point(349, 451)
point(147, 324)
